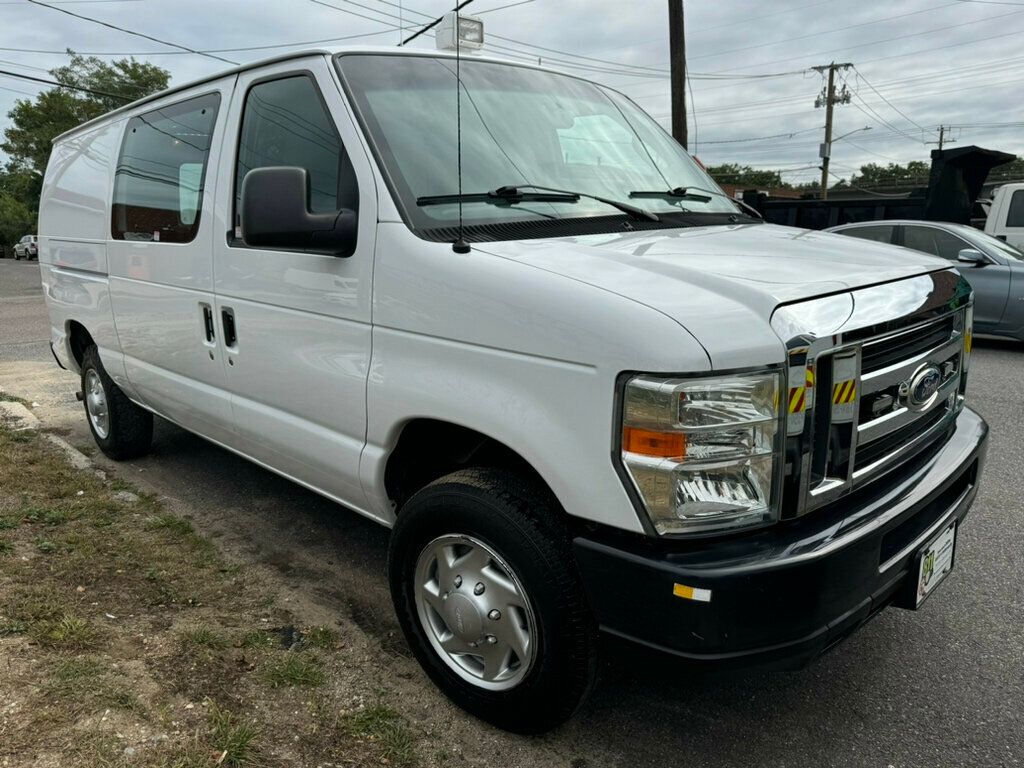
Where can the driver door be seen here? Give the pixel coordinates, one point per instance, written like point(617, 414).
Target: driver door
point(296, 325)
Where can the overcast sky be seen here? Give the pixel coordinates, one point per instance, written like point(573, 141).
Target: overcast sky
point(919, 63)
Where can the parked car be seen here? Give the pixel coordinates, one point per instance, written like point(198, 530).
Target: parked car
point(26, 248)
point(995, 269)
point(1005, 219)
point(615, 401)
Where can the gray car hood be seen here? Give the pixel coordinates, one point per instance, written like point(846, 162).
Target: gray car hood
point(721, 283)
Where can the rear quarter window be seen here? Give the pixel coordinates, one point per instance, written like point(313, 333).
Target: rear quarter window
point(1015, 216)
point(882, 234)
point(161, 170)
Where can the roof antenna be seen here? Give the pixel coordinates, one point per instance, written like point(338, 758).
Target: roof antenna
point(460, 245)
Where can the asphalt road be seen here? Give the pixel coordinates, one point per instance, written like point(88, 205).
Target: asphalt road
point(943, 686)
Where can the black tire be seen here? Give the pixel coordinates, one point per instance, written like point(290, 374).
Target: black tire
point(130, 431)
point(522, 523)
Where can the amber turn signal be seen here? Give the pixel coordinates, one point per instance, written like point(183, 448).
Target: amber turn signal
point(646, 442)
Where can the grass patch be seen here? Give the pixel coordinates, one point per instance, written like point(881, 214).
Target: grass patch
point(322, 637)
point(9, 523)
point(258, 639)
point(233, 739)
point(13, 628)
point(66, 633)
point(6, 547)
point(387, 729)
point(204, 637)
point(293, 669)
point(170, 523)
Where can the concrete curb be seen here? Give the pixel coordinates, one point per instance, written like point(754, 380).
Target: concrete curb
point(78, 459)
point(17, 416)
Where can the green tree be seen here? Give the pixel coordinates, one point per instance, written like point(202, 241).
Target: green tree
point(745, 176)
point(36, 122)
point(913, 174)
point(16, 220)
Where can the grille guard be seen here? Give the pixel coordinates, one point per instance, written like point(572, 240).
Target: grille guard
point(829, 391)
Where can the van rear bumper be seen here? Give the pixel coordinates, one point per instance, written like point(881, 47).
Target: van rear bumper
point(782, 596)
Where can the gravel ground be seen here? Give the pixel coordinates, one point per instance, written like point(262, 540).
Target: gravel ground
point(940, 687)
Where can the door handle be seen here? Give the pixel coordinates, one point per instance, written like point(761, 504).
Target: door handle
point(208, 326)
point(227, 321)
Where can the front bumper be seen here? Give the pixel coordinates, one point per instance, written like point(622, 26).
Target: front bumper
point(784, 595)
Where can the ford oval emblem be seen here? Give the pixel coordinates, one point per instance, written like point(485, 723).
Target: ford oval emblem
point(923, 386)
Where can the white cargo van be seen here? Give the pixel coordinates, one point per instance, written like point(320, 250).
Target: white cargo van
point(627, 406)
point(1006, 214)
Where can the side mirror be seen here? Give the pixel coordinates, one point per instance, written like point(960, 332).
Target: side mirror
point(972, 256)
point(275, 214)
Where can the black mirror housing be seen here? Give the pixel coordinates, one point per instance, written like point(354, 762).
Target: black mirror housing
point(275, 214)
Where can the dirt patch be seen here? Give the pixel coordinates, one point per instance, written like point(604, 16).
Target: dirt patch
point(127, 638)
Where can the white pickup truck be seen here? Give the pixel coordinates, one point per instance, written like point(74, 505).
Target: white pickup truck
point(1006, 215)
point(585, 389)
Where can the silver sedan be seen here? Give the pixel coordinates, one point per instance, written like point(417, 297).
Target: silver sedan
point(994, 269)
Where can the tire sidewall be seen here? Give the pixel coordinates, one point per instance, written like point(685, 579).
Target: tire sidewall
point(470, 512)
point(91, 361)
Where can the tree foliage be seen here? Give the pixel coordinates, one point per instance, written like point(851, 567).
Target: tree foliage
point(745, 176)
point(34, 123)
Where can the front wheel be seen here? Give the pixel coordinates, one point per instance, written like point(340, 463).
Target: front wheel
point(122, 429)
point(490, 600)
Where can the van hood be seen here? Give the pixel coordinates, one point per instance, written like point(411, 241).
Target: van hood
point(722, 283)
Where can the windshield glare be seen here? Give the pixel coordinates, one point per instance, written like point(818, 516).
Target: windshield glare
point(519, 126)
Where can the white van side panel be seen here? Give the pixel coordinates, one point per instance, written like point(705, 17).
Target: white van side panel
point(517, 353)
point(74, 218)
point(159, 291)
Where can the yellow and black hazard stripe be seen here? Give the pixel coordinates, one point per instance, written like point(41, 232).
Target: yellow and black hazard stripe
point(798, 395)
point(844, 392)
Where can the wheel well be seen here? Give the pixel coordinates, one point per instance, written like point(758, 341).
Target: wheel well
point(79, 340)
point(428, 449)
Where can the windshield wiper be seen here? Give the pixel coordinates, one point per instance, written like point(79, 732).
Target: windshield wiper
point(697, 194)
point(514, 193)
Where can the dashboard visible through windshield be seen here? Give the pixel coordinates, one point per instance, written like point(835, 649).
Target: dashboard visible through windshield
point(520, 126)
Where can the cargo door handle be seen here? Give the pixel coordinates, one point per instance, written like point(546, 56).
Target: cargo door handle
point(227, 319)
point(208, 326)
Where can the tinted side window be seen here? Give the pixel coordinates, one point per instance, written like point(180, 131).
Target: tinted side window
point(1015, 216)
point(285, 123)
point(158, 184)
point(935, 241)
point(882, 234)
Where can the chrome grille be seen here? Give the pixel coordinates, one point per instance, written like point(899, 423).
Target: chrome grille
point(879, 374)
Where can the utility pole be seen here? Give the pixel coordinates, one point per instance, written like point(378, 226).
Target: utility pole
point(829, 98)
point(943, 136)
point(677, 59)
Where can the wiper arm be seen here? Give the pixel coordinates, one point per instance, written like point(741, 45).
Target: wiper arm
point(697, 194)
point(514, 193)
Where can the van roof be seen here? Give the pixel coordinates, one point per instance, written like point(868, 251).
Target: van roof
point(392, 50)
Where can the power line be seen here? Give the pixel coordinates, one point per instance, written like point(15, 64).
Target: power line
point(895, 109)
point(789, 135)
point(6, 73)
point(129, 32)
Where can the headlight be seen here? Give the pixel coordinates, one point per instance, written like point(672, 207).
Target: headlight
point(704, 454)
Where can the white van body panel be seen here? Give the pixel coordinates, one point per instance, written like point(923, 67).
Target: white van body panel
point(516, 352)
point(159, 291)
point(997, 223)
point(74, 221)
point(298, 372)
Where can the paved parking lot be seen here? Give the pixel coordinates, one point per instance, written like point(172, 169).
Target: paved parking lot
point(940, 687)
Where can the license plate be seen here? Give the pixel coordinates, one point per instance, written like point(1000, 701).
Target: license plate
point(935, 562)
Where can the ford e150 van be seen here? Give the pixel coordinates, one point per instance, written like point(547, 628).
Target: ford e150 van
point(627, 406)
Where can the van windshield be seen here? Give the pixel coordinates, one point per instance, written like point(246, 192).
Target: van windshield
point(520, 126)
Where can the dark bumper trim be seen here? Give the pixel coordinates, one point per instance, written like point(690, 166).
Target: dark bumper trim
point(783, 596)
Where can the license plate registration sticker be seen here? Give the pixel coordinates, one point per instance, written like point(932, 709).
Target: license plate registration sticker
point(936, 562)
